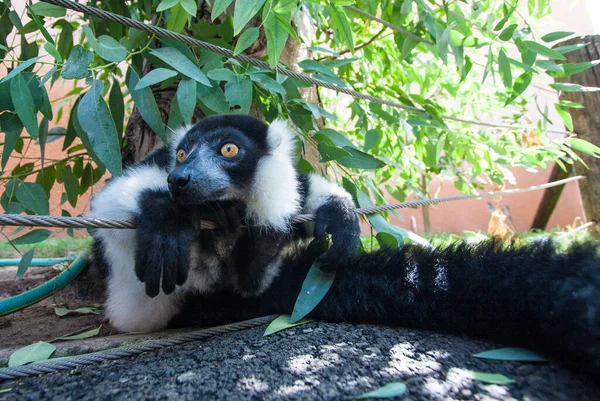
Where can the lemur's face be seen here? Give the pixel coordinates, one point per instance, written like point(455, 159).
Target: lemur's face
point(217, 161)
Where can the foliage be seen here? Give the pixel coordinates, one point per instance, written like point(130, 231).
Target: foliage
point(453, 59)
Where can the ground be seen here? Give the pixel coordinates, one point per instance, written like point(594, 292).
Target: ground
point(317, 361)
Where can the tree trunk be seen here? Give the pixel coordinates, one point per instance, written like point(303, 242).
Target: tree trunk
point(550, 199)
point(586, 122)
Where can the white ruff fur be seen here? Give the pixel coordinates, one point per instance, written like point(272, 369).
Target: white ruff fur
point(319, 191)
point(127, 306)
point(274, 196)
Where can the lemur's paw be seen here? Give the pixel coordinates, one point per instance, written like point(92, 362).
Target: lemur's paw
point(162, 259)
point(164, 235)
point(227, 216)
point(338, 218)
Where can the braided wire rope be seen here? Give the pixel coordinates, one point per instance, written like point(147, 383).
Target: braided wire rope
point(86, 222)
point(68, 363)
point(280, 69)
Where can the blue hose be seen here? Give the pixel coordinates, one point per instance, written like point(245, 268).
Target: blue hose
point(38, 262)
point(36, 294)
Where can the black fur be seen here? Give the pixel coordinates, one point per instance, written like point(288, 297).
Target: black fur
point(532, 296)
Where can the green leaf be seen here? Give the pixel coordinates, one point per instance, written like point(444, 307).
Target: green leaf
point(508, 32)
point(277, 35)
point(281, 323)
point(268, 83)
point(219, 8)
point(246, 39)
point(521, 84)
point(543, 50)
point(5, 390)
point(39, 351)
point(566, 103)
point(24, 106)
point(33, 197)
point(10, 141)
point(570, 48)
point(48, 10)
point(71, 185)
point(389, 390)
point(238, 92)
point(181, 63)
point(584, 146)
point(110, 50)
point(221, 74)
point(243, 13)
point(51, 49)
point(190, 7)
point(572, 69)
point(336, 137)
point(96, 120)
point(554, 36)
point(372, 138)
point(360, 160)
point(565, 116)
point(329, 153)
point(341, 26)
point(491, 378)
point(45, 107)
point(79, 311)
point(21, 67)
point(155, 76)
point(117, 106)
point(32, 237)
point(315, 286)
point(511, 354)
point(177, 19)
point(166, 4)
point(24, 263)
point(549, 65)
point(213, 98)
point(566, 87)
point(146, 104)
point(186, 99)
point(504, 69)
point(80, 336)
point(77, 63)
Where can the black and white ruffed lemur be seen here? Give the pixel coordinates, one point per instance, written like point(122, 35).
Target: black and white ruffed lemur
point(239, 172)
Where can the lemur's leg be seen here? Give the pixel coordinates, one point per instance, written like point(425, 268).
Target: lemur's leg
point(336, 215)
point(127, 306)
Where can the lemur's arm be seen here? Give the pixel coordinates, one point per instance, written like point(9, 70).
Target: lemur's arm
point(335, 214)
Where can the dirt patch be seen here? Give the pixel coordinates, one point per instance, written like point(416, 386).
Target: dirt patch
point(39, 322)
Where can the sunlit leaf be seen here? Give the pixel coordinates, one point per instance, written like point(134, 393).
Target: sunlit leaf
point(281, 323)
point(543, 50)
point(39, 351)
point(491, 378)
point(79, 311)
point(567, 87)
point(181, 63)
point(80, 336)
point(48, 10)
point(554, 36)
point(177, 19)
point(584, 146)
point(341, 26)
point(511, 354)
point(389, 390)
point(155, 76)
point(504, 69)
point(314, 288)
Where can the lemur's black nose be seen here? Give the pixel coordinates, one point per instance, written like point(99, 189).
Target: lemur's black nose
point(178, 181)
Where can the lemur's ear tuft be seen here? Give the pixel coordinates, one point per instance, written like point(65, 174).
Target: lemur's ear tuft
point(177, 136)
point(280, 137)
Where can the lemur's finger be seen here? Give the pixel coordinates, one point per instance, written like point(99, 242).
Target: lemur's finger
point(183, 265)
point(152, 278)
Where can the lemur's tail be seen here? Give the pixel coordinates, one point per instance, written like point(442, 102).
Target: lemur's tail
point(533, 296)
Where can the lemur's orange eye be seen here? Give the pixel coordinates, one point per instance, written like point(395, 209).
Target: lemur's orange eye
point(181, 155)
point(229, 150)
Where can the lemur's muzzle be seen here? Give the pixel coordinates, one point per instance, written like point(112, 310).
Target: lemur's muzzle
point(177, 180)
